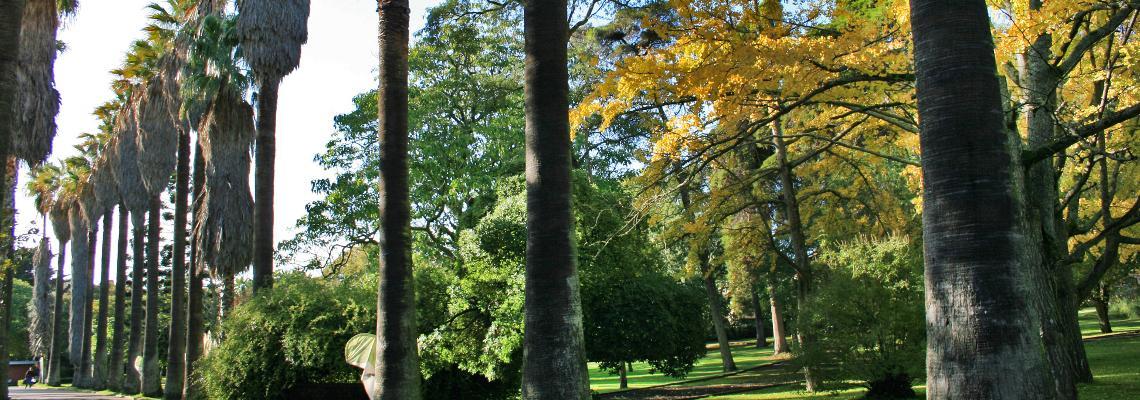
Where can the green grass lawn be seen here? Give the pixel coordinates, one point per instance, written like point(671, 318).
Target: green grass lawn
point(1115, 363)
point(745, 354)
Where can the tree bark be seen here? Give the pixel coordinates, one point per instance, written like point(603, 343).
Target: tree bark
point(982, 339)
point(151, 378)
point(118, 336)
point(57, 338)
point(1100, 303)
point(554, 357)
point(266, 154)
point(397, 371)
point(716, 311)
point(761, 338)
point(779, 337)
point(623, 379)
point(804, 274)
point(85, 366)
point(133, 379)
point(80, 254)
point(195, 320)
point(7, 248)
point(176, 340)
point(99, 380)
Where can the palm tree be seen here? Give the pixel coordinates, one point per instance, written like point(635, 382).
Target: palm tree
point(80, 256)
point(103, 179)
point(195, 320)
point(62, 229)
point(397, 374)
point(114, 377)
point(554, 359)
point(271, 33)
point(982, 333)
point(137, 202)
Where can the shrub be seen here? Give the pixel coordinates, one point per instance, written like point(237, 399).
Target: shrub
point(867, 316)
point(289, 336)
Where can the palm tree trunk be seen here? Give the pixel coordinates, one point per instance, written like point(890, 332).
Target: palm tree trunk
point(8, 225)
point(100, 370)
point(554, 359)
point(80, 254)
point(133, 379)
point(804, 274)
point(397, 372)
point(779, 337)
point(266, 154)
point(176, 347)
point(57, 338)
point(151, 378)
point(85, 377)
point(982, 339)
point(115, 367)
point(195, 320)
point(761, 338)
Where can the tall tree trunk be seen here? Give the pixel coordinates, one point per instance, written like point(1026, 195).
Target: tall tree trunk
point(397, 372)
point(115, 366)
point(99, 380)
point(1100, 303)
point(1040, 84)
point(779, 337)
point(266, 154)
point(176, 340)
point(80, 254)
point(804, 274)
point(57, 326)
point(133, 379)
point(151, 378)
point(982, 339)
point(195, 320)
point(623, 379)
point(554, 357)
point(7, 248)
point(757, 321)
point(85, 377)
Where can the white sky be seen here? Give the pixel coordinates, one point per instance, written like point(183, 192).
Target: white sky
point(339, 61)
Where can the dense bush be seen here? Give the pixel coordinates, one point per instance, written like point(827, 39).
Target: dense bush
point(292, 335)
point(866, 316)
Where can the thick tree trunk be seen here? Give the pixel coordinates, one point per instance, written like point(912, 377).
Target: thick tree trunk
point(554, 357)
point(266, 154)
point(1100, 303)
point(397, 371)
point(176, 340)
point(761, 338)
point(151, 376)
point(99, 380)
point(115, 367)
point(133, 380)
point(716, 312)
point(195, 320)
point(803, 267)
point(779, 336)
point(623, 379)
point(57, 326)
point(982, 329)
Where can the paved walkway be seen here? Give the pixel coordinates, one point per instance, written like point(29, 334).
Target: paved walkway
point(19, 393)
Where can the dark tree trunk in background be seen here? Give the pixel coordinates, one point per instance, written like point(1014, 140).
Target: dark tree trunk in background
point(757, 321)
point(7, 248)
point(1100, 303)
point(397, 373)
point(266, 154)
point(779, 336)
point(58, 339)
point(151, 376)
point(133, 380)
point(623, 379)
point(11, 16)
point(716, 312)
point(554, 356)
point(115, 366)
point(86, 365)
point(982, 329)
point(81, 237)
point(195, 321)
point(176, 342)
point(99, 380)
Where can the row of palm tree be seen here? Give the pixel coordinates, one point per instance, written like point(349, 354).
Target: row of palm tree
point(190, 74)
